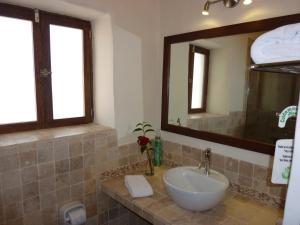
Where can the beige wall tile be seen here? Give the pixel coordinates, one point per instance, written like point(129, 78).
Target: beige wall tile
point(47, 185)
point(34, 218)
point(89, 172)
point(9, 162)
point(31, 204)
point(88, 146)
point(63, 195)
point(260, 185)
point(89, 160)
point(76, 176)
point(246, 169)
point(1, 214)
point(133, 149)
point(124, 150)
point(75, 147)
point(28, 158)
point(260, 173)
point(100, 156)
point(76, 163)
point(30, 190)
point(62, 166)
point(48, 200)
point(231, 164)
point(77, 190)
point(50, 216)
point(90, 186)
point(27, 146)
point(217, 161)
point(12, 195)
point(245, 181)
point(100, 142)
point(11, 178)
point(172, 147)
point(196, 154)
point(186, 151)
point(45, 154)
point(233, 177)
point(13, 211)
point(112, 140)
point(62, 181)
point(61, 150)
point(8, 150)
point(18, 221)
point(46, 170)
point(29, 174)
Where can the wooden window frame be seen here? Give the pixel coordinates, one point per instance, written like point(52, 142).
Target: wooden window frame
point(192, 50)
point(41, 37)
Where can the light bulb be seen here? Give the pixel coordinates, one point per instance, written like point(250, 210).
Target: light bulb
point(247, 2)
point(205, 13)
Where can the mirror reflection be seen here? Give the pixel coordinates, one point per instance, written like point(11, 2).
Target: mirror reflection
point(212, 89)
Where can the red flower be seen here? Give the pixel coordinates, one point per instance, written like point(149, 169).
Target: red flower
point(142, 140)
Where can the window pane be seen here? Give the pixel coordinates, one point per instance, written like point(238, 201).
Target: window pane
point(67, 65)
point(17, 74)
point(198, 79)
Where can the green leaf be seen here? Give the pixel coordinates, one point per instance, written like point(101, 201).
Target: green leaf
point(137, 129)
point(149, 130)
point(147, 125)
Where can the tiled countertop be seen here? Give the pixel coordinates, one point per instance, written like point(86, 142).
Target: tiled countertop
point(160, 209)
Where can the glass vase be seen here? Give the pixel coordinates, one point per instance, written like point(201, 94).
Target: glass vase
point(149, 167)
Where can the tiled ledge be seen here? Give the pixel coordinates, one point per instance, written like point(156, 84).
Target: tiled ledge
point(46, 134)
point(159, 209)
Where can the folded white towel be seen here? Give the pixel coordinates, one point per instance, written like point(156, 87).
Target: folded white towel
point(138, 186)
point(279, 45)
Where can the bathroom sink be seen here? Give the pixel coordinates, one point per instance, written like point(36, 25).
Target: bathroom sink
point(191, 189)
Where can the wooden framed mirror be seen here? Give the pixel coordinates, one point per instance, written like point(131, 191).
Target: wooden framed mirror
point(224, 101)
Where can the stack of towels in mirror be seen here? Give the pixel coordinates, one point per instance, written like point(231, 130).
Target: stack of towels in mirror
point(138, 186)
point(279, 45)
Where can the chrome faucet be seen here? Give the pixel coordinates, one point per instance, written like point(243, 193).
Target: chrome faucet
point(205, 162)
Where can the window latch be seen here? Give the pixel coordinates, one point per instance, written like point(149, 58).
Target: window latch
point(45, 73)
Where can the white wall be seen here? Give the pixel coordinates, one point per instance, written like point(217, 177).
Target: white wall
point(228, 74)
point(178, 88)
point(179, 16)
point(135, 28)
point(217, 90)
point(148, 22)
point(128, 83)
point(125, 57)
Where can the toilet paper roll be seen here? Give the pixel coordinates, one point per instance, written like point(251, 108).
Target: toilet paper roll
point(77, 216)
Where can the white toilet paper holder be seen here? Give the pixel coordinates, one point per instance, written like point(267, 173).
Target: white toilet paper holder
point(66, 209)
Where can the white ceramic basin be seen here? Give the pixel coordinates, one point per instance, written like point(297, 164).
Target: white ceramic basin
point(192, 190)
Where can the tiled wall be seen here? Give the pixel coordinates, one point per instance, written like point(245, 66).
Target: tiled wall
point(232, 124)
point(113, 213)
point(39, 176)
point(246, 178)
point(40, 172)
